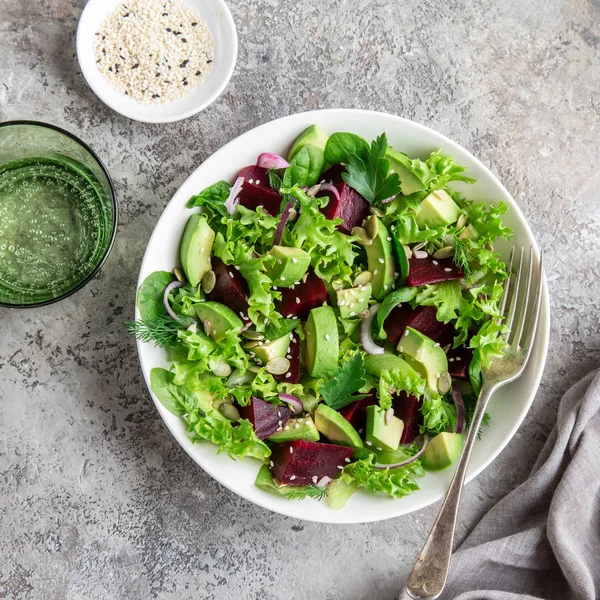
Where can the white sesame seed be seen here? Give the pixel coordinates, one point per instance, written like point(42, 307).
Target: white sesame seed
point(436, 345)
point(341, 303)
point(374, 272)
point(458, 358)
point(437, 375)
point(385, 287)
point(279, 261)
point(450, 360)
point(282, 278)
point(297, 300)
point(396, 274)
point(379, 449)
point(258, 182)
point(360, 430)
point(291, 450)
point(368, 443)
point(327, 336)
point(347, 460)
point(271, 463)
point(280, 423)
point(296, 426)
point(286, 428)
point(289, 316)
point(353, 314)
point(288, 375)
point(294, 260)
point(435, 262)
point(401, 349)
point(315, 479)
point(389, 238)
point(351, 304)
point(406, 332)
point(381, 260)
point(250, 180)
point(447, 269)
point(293, 476)
point(340, 467)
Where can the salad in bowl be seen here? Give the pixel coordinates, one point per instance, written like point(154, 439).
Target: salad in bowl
point(330, 315)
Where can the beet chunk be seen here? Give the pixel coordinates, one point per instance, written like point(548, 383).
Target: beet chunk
point(311, 293)
point(299, 462)
point(294, 370)
point(230, 289)
point(356, 413)
point(351, 207)
point(266, 418)
point(421, 318)
point(459, 361)
point(407, 408)
point(259, 192)
point(425, 271)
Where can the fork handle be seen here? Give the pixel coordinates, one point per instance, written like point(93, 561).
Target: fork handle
point(428, 577)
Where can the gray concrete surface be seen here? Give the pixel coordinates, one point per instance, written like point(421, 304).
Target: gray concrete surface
point(96, 499)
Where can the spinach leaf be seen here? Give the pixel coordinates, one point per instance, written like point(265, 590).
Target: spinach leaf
point(213, 196)
point(341, 145)
point(285, 326)
point(400, 296)
point(305, 168)
point(150, 295)
point(175, 398)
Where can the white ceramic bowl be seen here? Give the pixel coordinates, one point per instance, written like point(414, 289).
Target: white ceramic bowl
point(219, 21)
point(507, 408)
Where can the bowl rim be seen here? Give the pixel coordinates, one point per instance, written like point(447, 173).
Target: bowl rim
point(115, 204)
point(86, 67)
point(541, 341)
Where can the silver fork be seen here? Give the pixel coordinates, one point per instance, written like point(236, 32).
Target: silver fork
point(428, 577)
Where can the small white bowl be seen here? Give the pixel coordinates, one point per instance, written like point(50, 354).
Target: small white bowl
point(219, 21)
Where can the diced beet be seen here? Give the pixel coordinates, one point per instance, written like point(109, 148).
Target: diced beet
point(407, 408)
point(459, 361)
point(259, 192)
point(425, 271)
point(421, 318)
point(294, 370)
point(266, 418)
point(351, 207)
point(230, 288)
point(356, 413)
point(299, 462)
point(311, 293)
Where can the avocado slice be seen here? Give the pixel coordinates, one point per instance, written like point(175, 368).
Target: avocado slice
point(379, 433)
point(195, 247)
point(297, 429)
point(409, 182)
point(376, 363)
point(442, 451)
point(273, 349)
point(437, 209)
point(289, 266)
point(351, 301)
point(424, 355)
point(220, 318)
point(313, 136)
point(380, 258)
point(334, 427)
point(322, 342)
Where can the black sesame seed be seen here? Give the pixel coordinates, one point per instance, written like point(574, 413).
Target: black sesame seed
point(110, 69)
point(136, 66)
point(121, 57)
point(126, 15)
point(157, 74)
point(198, 73)
point(169, 29)
point(184, 40)
point(165, 14)
point(185, 83)
point(194, 24)
point(103, 37)
point(208, 62)
point(184, 63)
point(156, 95)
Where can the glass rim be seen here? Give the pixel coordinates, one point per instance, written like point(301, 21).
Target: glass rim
point(100, 263)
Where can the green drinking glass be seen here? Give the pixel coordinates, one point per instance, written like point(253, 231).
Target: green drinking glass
point(58, 214)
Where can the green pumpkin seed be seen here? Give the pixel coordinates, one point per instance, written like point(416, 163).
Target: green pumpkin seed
point(445, 252)
point(209, 281)
point(462, 222)
point(377, 212)
point(250, 344)
point(363, 278)
point(372, 226)
point(365, 240)
point(179, 274)
point(250, 334)
point(278, 366)
point(254, 369)
point(444, 383)
point(229, 411)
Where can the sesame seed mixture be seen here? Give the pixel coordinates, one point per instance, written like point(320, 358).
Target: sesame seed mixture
point(154, 51)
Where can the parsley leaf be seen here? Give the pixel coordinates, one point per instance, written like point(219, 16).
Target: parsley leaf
point(337, 391)
point(368, 174)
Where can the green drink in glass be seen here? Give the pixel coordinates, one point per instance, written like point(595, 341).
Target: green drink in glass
point(58, 214)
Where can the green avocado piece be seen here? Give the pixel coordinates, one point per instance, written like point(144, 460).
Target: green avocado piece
point(442, 451)
point(205, 404)
point(437, 209)
point(409, 182)
point(380, 434)
point(272, 349)
point(335, 428)
point(220, 318)
point(376, 363)
point(289, 266)
point(297, 429)
point(194, 251)
point(424, 355)
point(351, 301)
point(322, 342)
point(380, 258)
point(313, 135)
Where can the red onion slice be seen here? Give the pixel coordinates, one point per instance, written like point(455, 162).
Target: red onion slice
point(168, 290)
point(460, 409)
point(387, 200)
point(272, 161)
point(408, 460)
point(323, 187)
point(324, 481)
point(293, 401)
point(285, 215)
point(232, 199)
point(369, 346)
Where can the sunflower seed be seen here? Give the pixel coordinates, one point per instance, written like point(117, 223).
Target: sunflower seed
point(372, 226)
point(462, 222)
point(179, 274)
point(365, 240)
point(362, 278)
point(445, 252)
point(278, 366)
point(444, 383)
point(250, 334)
point(230, 412)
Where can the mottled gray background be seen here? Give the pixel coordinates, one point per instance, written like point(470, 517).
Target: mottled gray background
point(97, 500)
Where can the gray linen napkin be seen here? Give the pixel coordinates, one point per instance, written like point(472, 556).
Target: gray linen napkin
point(543, 539)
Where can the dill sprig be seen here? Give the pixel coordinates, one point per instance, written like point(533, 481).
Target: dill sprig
point(306, 491)
point(461, 256)
point(162, 330)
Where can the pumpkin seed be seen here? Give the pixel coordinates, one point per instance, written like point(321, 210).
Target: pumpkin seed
point(250, 334)
point(365, 240)
point(278, 366)
point(230, 412)
point(250, 344)
point(222, 369)
point(218, 403)
point(420, 254)
point(462, 222)
point(229, 399)
point(377, 212)
point(444, 383)
point(372, 226)
point(445, 252)
point(208, 281)
point(363, 278)
point(254, 369)
point(179, 274)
